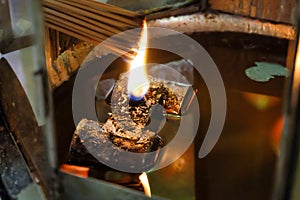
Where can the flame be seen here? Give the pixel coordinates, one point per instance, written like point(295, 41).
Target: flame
point(145, 182)
point(138, 83)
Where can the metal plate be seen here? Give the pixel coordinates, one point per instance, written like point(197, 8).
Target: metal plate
point(89, 188)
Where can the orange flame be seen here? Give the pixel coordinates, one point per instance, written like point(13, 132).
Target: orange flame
point(138, 83)
point(145, 182)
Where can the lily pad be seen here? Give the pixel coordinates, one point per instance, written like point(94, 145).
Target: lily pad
point(264, 71)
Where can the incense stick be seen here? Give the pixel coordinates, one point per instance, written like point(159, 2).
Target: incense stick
point(111, 8)
point(111, 46)
point(85, 31)
point(81, 17)
point(84, 4)
point(52, 13)
point(74, 34)
point(75, 27)
point(62, 9)
point(108, 21)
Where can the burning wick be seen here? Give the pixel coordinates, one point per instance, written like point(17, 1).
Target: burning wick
point(138, 83)
point(145, 182)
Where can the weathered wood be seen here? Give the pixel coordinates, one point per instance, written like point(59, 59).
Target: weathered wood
point(274, 10)
point(203, 22)
point(291, 53)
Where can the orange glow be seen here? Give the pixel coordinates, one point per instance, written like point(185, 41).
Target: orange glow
point(297, 70)
point(75, 170)
point(260, 101)
point(276, 133)
point(138, 83)
point(145, 182)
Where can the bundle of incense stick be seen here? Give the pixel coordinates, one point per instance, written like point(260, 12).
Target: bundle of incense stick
point(90, 20)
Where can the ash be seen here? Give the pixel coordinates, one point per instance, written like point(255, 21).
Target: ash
point(129, 118)
point(126, 126)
